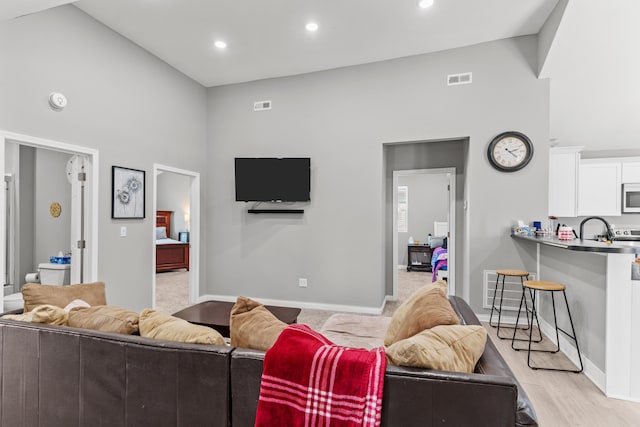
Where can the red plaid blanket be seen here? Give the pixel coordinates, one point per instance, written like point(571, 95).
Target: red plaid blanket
point(309, 381)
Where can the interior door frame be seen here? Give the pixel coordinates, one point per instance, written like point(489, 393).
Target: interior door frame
point(91, 211)
point(194, 234)
point(451, 172)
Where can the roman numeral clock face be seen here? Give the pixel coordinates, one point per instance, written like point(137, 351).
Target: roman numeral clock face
point(510, 151)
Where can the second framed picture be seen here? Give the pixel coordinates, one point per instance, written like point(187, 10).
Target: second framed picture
point(127, 193)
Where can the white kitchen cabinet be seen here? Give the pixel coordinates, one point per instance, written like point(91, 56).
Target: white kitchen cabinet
point(563, 181)
point(631, 172)
point(599, 188)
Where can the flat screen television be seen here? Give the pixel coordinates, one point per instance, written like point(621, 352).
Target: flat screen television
point(273, 179)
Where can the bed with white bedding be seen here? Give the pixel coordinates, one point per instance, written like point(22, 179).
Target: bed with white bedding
point(170, 254)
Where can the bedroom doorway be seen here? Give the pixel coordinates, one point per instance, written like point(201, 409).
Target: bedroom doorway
point(423, 206)
point(176, 238)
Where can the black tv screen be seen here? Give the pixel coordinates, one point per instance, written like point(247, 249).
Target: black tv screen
point(272, 179)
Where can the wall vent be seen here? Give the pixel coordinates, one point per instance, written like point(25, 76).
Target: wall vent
point(512, 291)
point(459, 79)
point(261, 105)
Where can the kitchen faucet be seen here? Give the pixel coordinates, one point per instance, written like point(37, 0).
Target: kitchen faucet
point(606, 224)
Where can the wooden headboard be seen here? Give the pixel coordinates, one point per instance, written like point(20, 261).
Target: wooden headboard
point(163, 219)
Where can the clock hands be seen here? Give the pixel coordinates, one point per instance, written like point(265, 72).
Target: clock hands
point(511, 152)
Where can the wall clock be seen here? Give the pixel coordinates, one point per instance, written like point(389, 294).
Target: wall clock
point(510, 151)
point(55, 209)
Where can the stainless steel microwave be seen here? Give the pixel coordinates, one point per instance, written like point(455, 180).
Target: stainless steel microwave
point(630, 198)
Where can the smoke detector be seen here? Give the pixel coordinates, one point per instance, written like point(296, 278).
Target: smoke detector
point(57, 101)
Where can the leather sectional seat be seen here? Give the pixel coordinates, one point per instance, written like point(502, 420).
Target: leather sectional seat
point(62, 376)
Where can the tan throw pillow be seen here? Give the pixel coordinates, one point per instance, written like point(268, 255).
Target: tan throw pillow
point(50, 315)
point(155, 324)
point(455, 348)
point(47, 314)
point(35, 294)
point(426, 308)
point(104, 318)
point(251, 325)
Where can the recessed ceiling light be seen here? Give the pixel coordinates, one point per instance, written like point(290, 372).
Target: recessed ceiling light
point(311, 26)
point(425, 3)
point(220, 44)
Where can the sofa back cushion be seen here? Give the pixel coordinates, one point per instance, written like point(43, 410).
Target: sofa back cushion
point(426, 308)
point(35, 294)
point(105, 318)
point(454, 348)
point(252, 325)
point(155, 324)
point(46, 313)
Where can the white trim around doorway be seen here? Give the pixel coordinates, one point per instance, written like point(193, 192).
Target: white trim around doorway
point(194, 236)
point(92, 214)
point(451, 172)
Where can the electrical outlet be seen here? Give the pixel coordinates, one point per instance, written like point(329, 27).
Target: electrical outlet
point(123, 231)
point(302, 282)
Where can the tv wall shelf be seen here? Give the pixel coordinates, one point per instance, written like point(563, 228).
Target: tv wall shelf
point(277, 211)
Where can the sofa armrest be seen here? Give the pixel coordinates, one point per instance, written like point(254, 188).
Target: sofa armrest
point(492, 363)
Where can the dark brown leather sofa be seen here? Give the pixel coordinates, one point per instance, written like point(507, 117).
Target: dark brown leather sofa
point(491, 396)
point(59, 376)
point(55, 376)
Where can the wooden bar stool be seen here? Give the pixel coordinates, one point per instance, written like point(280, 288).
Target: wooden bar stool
point(522, 274)
point(553, 287)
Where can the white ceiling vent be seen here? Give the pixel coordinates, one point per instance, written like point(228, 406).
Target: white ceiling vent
point(261, 105)
point(459, 79)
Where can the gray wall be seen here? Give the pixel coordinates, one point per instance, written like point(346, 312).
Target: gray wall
point(428, 202)
point(132, 107)
point(52, 235)
point(341, 119)
point(173, 195)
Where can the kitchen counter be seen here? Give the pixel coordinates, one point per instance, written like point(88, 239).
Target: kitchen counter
point(616, 247)
point(604, 301)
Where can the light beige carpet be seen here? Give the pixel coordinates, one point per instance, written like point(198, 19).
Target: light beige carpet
point(172, 291)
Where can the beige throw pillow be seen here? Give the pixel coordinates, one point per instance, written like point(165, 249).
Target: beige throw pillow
point(47, 314)
point(251, 325)
point(454, 348)
point(426, 308)
point(35, 294)
point(104, 318)
point(155, 324)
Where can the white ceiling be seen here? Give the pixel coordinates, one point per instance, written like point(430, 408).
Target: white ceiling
point(268, 38)
point(10, 9)
point(593, 63)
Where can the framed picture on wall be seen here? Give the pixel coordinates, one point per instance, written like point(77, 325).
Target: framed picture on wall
point(127, 193)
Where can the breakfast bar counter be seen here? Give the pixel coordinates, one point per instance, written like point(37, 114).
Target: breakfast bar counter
point(606, 300)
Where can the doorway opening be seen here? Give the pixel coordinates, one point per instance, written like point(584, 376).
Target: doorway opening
point(424, 223)
point(440, 156)
point(176, 238)
point(49, 208)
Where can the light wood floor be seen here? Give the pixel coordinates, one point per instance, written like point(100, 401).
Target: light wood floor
point(563, 398)
point(560, 399)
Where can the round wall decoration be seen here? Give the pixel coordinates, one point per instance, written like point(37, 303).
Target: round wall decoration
point(55, 209)
point(510, 151)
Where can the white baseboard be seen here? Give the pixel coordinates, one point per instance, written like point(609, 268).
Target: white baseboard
point(301, 304)
point(567, 346)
